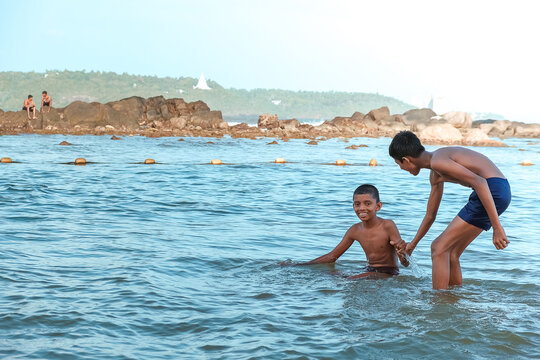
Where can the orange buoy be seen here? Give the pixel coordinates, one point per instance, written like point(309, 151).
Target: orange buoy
point(149, 161)
point(216, 162)
point(80, 161)
point(279, 160)
point(6, 160)
point(524, 162)
point(372, 162)
point(341, 162)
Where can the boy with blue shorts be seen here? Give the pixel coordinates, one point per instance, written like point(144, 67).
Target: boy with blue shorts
point(490, 198)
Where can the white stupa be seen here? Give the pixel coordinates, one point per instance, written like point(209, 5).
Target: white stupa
point(202, 85)
point(439, 104)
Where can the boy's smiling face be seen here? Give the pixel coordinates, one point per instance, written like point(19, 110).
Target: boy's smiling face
point(365, 206)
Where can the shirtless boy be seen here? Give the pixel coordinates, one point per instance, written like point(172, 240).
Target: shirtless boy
point(46, 100)
point(378, 237)
point(490, 198)
point(29, 105)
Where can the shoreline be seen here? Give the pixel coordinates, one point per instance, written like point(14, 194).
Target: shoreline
point(160, 117)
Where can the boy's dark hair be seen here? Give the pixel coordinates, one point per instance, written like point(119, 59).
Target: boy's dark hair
point(29, 96)
point(405, 143)
point(44, 92)
point(367, 189)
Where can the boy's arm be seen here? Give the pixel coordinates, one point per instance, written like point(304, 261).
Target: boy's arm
point(479, 184)
point(333, 255)
point(396, 241)
point(435, 196)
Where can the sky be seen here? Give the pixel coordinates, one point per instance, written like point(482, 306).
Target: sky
point(475, 56)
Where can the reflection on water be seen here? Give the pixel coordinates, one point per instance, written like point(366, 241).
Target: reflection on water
point(120, 260)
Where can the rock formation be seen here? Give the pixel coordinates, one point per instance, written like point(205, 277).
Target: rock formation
point(157, 116)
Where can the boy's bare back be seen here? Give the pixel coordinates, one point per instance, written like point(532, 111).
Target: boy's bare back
point(449, 164)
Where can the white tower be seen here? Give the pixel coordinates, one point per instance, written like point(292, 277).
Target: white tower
point(202, 85)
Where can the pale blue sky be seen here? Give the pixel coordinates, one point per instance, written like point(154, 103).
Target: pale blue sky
point(476, 55)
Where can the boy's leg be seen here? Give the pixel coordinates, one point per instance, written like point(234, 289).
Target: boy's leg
point(370, 275)
point(447, 248)
point(455, 254)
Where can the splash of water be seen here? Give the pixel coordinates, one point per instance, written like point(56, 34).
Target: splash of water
point(416, 270)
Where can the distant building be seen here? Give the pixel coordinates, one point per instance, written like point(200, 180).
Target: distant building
point(276, 102)
point(202, 85)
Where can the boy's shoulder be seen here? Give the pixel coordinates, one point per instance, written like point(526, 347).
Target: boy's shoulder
point(388, 223)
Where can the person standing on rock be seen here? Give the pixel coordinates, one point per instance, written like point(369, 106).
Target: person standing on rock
point(46, 100)
point(490, 198)
point(29, 105)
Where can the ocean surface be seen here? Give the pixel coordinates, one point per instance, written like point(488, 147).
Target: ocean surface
point(180, 260)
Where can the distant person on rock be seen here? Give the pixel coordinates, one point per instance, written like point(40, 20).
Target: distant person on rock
point(378, 237)
point(490, 197)
point(29, 105)
point(46, 100)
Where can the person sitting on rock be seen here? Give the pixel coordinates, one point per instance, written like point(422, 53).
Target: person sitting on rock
point(378, 237)
point(490, 197)
point(29, 105)
point(46, 100)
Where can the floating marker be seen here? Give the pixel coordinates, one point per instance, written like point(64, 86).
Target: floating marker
point(149, 161)
point(524, 162)
point(341, 162)
point(216, 162)
point(372, 162)
point(80, 161)
point(279, 160)
point(6, 160)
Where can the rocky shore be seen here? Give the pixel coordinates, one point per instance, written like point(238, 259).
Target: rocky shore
point(157, 117)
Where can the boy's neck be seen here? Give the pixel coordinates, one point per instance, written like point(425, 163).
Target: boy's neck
point(371, 222)
point(424, 160)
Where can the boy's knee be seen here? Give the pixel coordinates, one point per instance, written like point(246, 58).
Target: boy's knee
point(436, 249)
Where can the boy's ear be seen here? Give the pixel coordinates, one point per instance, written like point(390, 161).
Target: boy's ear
point(379, 206)
point(406, 159)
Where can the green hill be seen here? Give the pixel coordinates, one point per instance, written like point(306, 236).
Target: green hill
point(68, 86)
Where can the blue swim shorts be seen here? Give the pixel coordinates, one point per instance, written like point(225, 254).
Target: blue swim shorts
point(475, 214)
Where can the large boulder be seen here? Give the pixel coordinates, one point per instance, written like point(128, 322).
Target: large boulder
point(458, 119)
point(85, 115)
point(419, 119)
point(133, 107)
point(499, 127)
point(419, 115)
point(54, 119)
point(378, 114)
point(527, 130)
point(180, 122)
point(13, 120)
point(291, 124)
point(477, 137)
point(178, 107)
point(208, 119)
point(444, 133)
point(197, 106)
point(267, 121)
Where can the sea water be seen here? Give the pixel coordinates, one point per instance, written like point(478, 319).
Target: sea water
point(180, 260)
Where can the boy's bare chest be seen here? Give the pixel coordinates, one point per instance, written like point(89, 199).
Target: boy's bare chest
point(372, 238)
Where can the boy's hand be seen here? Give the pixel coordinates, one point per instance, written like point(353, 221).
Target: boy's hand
point(399, 245)
point(499, 239)
point(410, 248)
point(403, 259)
